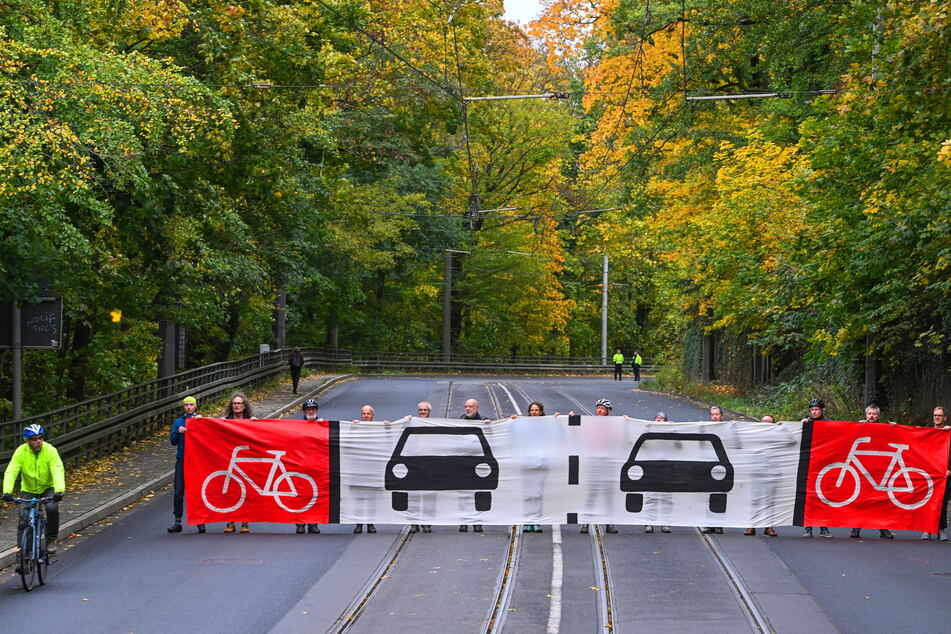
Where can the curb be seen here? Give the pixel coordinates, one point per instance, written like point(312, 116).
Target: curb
point(8, 556)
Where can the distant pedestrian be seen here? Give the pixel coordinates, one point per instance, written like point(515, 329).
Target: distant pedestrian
point(296, 362)
point(177, 439)
point(618, 364)
point(636, 366)
point(309, 409)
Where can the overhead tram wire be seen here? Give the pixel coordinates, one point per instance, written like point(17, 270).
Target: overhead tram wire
point(376, 41)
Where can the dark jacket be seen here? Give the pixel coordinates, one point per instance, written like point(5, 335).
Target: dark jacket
point(177, 438)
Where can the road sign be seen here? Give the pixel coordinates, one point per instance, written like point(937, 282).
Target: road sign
point(41, 325)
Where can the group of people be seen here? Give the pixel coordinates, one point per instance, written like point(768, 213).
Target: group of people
point(636, 361)
point(240, 408)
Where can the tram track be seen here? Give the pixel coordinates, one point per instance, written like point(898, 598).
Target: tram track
point(383, 572)
point(603, 581)
point(757, 618)
point(609, 620)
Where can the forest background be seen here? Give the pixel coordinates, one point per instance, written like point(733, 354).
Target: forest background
point(202, 162)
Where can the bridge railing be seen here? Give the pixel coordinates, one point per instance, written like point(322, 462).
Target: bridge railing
point(108, 423)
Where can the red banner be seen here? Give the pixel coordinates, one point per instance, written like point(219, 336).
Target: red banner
point(258, 470)
point(875, 475)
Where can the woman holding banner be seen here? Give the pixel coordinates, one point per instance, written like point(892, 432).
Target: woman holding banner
point(239, 408)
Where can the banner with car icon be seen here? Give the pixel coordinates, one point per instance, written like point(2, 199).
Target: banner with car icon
point(564, 470)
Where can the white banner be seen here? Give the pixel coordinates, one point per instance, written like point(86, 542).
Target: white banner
point(556, 470)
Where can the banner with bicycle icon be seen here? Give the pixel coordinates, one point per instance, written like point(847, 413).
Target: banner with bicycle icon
point(276, 471)
point(566, 470)
point(874, 475)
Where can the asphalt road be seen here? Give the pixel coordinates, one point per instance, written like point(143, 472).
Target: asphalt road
point(127, 574)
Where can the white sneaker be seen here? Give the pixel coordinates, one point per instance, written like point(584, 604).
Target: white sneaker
point(942, 535)
point(925, 536)
point(648, 529)
point(664, 529)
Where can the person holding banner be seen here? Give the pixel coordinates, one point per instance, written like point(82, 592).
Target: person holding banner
point(177, 439)
point(471, 413)
point(309, 409)
point(872, 415)
point(664, 500)
point(716, 416)
point(534, 468)
point(765, 486)
point(239, 408)
point(426, 502)
point(939, 420)
point(367, 414)
point(817, 409)
point(596, 469)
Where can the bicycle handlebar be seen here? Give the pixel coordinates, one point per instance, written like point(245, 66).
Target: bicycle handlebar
point(31, 500)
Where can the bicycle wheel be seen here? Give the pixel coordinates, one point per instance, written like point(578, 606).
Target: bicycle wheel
point(43, 560)
point(834, 494)
point(913, 491)
point(25, 556)
point(299, 492)
point(227, 495)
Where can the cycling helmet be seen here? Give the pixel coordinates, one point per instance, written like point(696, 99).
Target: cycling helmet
point(817, 402)
point(33, 430)
point(311, 402)
point(605, 402)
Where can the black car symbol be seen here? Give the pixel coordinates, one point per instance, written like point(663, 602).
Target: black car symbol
point(650, 468)
point(442, 459)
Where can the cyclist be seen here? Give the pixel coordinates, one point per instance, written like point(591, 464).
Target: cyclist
point(177, 439)
point(41, 474)
point(309, 408)
point(817, 412)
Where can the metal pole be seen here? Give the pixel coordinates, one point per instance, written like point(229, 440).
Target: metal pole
point(16, 344)
point(604, 312)
point(447, 306)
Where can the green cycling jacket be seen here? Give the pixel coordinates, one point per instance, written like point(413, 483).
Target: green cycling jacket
point(38, 471)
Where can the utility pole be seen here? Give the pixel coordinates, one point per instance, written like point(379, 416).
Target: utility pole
point(16, 345)
point(447, 306)
point(604, 312)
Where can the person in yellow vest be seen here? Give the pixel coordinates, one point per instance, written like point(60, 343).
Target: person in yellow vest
point(636, 366)
point(41, 474)
point(618, 364)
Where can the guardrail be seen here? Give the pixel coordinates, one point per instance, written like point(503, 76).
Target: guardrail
point(105, 424)
point(109, 423)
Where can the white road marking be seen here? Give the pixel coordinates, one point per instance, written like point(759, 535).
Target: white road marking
point(514, 404)
point(554, 611)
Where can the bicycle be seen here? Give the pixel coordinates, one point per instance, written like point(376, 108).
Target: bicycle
point(32, 558)
point(853, 466)
point(272, 486)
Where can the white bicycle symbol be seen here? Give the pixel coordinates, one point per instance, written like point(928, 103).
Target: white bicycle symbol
point(234, 477)
point(914, 479)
